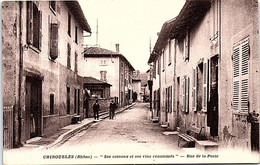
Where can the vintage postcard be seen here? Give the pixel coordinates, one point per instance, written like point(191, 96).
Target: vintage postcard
point(130, 81)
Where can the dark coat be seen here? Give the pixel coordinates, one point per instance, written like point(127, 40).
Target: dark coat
point(96, 107)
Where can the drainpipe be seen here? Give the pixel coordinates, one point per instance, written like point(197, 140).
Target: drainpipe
point(20, 76)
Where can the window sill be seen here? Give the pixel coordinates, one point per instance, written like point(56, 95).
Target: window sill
point(52, 60)
point(37, 50)
point(241, 113)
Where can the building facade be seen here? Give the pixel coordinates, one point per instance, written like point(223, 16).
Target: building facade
point(41, 47)
point(214, 55)
point(113, 68)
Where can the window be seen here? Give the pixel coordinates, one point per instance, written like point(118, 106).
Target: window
point(68, 56)
point(240, 76)
point(76, 62)
point(163, 59)
point(194, 89)
point(154, 69)
point(68, 100)
point(170, 52)
point(169, 99)
point(34, 25)
point(51, 104)
point(76, 34)
point(103, 62)
point(54, 41)
point(159, 65)
point(69, 24)
point(53, 6)
point(103, 75)
point(186, 48)
point(185, 95)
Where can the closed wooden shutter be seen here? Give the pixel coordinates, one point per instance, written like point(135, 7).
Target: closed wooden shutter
point(236, 64)
point(241, 76)
point(244, 76)
point(54, 41)
point(205, 85)
point(40, 30)
point(68, 56)
point(29, 22)
point(183, 93)
point(187, 84)
point(194, 90)
point(170, 96)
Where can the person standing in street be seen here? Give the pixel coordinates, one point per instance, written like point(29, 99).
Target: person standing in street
point(96, 108)
point(112, 108)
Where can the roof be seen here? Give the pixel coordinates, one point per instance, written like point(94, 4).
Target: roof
point(137, 80)
point(191, 13)
point(75, 8)
point(101, 52)
point(93, 81)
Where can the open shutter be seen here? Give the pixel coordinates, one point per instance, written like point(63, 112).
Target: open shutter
point(170, 95)
point(68, 57)
point(54, 41)
point(236, 64)
point(194, 90)
point(244, 76)
point(29, 22)
point(205, 85)
point(40, 30)
point(183, 93)
point(187, 84)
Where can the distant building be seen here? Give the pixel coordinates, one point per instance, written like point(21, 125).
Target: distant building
point(41, 51)
point(113, 68)
point(137, 91)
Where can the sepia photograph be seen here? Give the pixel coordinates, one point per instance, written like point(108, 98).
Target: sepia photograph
point(130, 81)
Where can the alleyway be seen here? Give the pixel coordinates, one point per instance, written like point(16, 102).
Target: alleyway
point(129, 131)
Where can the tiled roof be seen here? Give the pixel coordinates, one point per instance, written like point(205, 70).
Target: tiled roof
point(98, 50)
point(101, 52)
point(191, 13)
point(75, 9)
point(92, 80)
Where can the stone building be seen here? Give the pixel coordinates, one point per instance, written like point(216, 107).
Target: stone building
point(205, 65)
point(113, 68)
point(137, 91)
point(41, 54)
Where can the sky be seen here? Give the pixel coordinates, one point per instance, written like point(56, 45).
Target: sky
point(130, 23)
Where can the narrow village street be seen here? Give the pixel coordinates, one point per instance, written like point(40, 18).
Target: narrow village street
point(129, 131)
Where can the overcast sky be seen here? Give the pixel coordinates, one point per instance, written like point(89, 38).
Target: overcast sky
point(131, 23)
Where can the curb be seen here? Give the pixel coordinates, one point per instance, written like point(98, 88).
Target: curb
point(67, 135)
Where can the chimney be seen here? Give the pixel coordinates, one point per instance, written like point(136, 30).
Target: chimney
point(117, 48)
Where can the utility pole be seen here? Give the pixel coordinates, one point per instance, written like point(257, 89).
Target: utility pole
point(97, 33)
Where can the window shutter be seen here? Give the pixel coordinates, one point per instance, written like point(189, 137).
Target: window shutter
point(244, 76)
point(184, 92)
point(54, 41)
point(205, 85)
point(167, 99)
point(187, 84)
point(68, 58)
point(40, 30)
point(194, 90)
point(29, 22)
point(170, 102)
point(236, 65)
point(154, 69)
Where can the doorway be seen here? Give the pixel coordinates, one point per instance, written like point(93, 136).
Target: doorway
point(33, 108)
point(178, 100)
point(212, 116)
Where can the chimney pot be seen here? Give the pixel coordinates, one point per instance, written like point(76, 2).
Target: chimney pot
point(117, 48)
